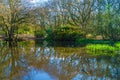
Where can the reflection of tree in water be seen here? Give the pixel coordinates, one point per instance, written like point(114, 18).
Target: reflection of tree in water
point(69, 65)
point(62, 62)
point(11, 61)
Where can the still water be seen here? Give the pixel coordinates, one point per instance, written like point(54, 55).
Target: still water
point(30, 61)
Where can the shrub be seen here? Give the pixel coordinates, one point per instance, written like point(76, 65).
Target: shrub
point(40, 34)
point(64, 34)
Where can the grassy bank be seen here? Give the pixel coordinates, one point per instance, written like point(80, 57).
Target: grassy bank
point(103, 49)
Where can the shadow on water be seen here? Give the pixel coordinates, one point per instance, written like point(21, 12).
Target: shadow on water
point(30, 61)
point(62, 44)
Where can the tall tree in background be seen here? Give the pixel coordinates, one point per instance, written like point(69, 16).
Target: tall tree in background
point(107, 18)
point(12, 15)
point(80, 12)
point(100, 16)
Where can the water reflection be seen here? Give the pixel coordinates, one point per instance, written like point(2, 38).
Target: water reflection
point(26, 61)
point(11, 61)
point(35, 74)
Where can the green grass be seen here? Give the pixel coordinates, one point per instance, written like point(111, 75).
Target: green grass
point(117, 45)
point(101, 49)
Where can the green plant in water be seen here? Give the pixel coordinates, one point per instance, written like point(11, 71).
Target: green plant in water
point(117, 45)
point(101, 49)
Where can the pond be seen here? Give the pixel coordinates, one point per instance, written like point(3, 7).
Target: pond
point(31, 61)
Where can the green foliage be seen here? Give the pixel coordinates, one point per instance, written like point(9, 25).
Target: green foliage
point(2, 32)
point(91, 41)
point(40, 34)
point(117, 45)
point(20, 31)
point(1, 43)
point(64, 34)
point(98, 49)
point(49, 30)
point(107, 25)
point(26, 29)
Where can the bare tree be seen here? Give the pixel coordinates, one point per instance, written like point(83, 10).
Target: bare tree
point(12, 15)
point(80, 12)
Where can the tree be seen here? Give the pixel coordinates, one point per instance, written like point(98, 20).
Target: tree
point(80, 12)
point(12, 14)
point(108, 19)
